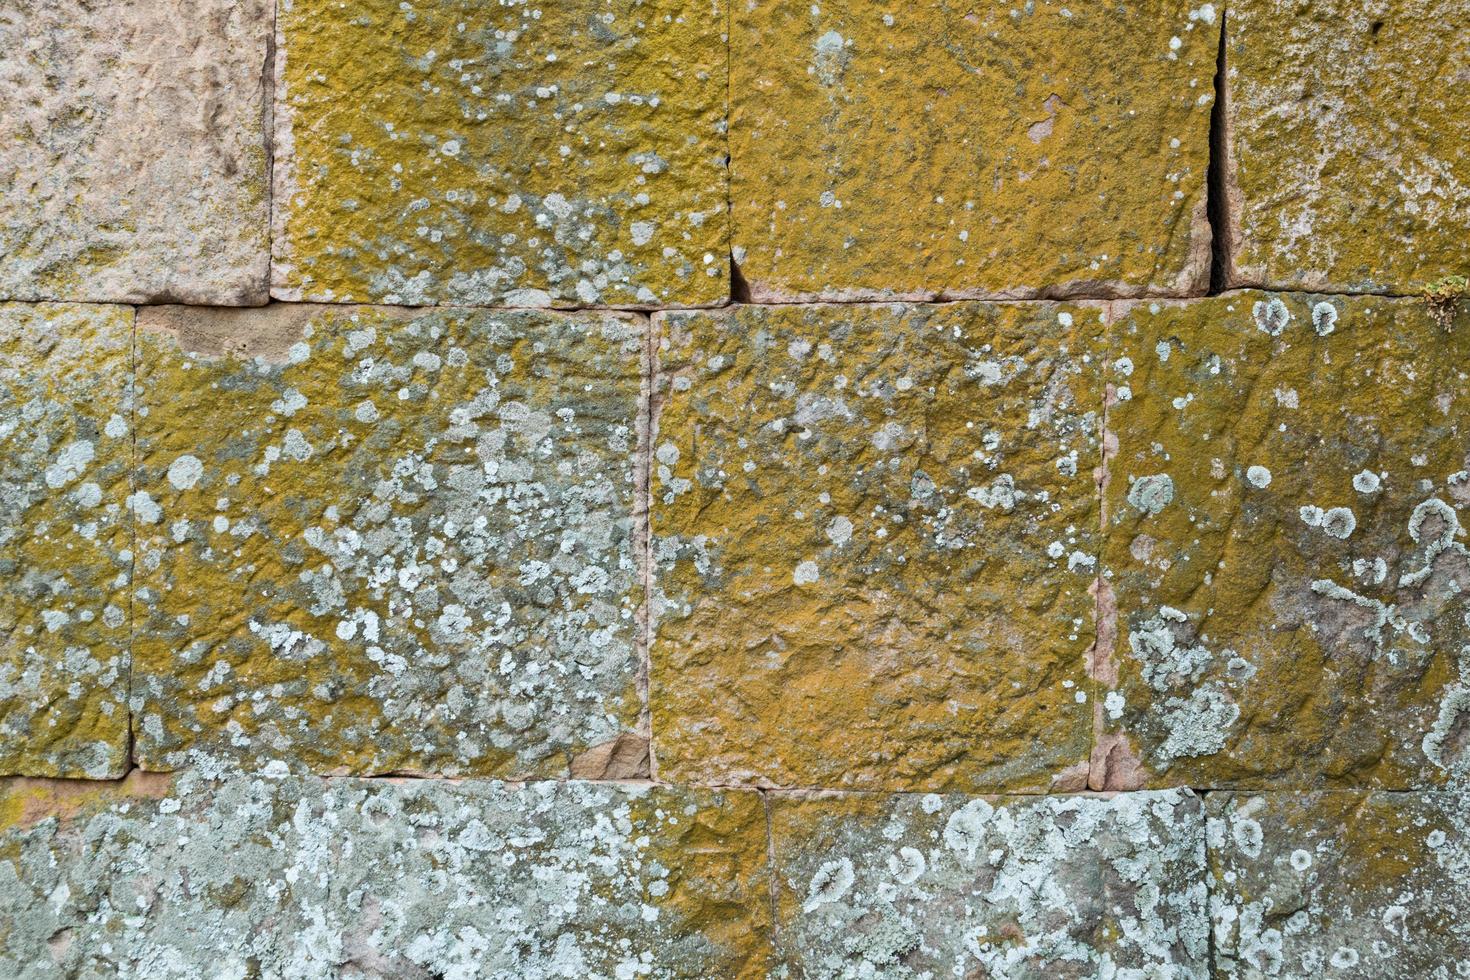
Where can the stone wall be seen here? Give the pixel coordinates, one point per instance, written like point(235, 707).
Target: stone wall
point(734, 488)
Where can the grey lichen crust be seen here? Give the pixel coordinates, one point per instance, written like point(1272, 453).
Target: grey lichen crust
point(916, 886)
point(382, 541)
point(65, 549)
point(305, 878)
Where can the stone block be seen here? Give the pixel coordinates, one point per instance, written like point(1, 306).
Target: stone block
point(454, 151)
point(65, 538)
point(134, 153)
point(1285, 561)
point(1346, 121)
point(375, 540)
point(1346, 884)
point(929, 150)
point(307, 878)
point(874, 530)
point(928, 886)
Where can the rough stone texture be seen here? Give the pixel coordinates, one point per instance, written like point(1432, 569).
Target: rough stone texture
point(874, 529)
point(1284, 546)
point(930, 886)
point(374, 540)
point(133, 150)
point(303, 878)
point(1368, 885)
point(511, 154)
point(930, 150)
point(65, 459)
point(1347, 120)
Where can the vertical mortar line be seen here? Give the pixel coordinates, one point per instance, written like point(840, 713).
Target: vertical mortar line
point(130, 515)
point(771, 868)
point(268, 122)
point(643, 531)
point(1218, 175)
point(1099, 582)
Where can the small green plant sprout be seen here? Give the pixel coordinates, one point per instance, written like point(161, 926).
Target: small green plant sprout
point(1445, 298)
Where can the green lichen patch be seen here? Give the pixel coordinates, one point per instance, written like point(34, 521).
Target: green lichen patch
point(373, 541)
point(65, 548)
point(1345, 884)
point(874, 532)
point(314, 879)
point(567, 154)
point(1285, 542)
point(925, 886)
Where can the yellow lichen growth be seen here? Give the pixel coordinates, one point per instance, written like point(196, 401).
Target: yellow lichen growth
point(502, 154)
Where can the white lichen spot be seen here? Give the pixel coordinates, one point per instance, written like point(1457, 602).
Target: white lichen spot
point(1324, 318)
point(184, 472)
point(829, 884)
point(1367, 482)
point(806, 573)
point(1271, 316)
point(1259, 477)
point(908, 865)
point(1151, 494)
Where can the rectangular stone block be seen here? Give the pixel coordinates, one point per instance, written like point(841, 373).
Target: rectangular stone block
point(571, 154)
point(65, 538)
point(1055, 887)
point(874, 529)
point(928, 150)
point(134, 157)
point(1285, 563)
point(1350, 169)
point(308, 878)
point(1347, 884)
point(376, 541)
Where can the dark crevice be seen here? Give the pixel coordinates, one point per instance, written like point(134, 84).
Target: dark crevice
point(739, 288)
point(1217, 176)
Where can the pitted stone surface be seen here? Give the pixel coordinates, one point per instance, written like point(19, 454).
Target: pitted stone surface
point(874, 534)
point(1351, 884)
point(501, 154)
point(133, 150)
point(303, 878)
point(1347, 117)
point(912, 886)
point(1285, 545)
point(65, 460)
point(929, 150)
point(375, 541)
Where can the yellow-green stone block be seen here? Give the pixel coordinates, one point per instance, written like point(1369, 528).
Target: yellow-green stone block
point(1021, 887)
point(566, 154)
point(65, 558)
point(1347, 121)
point(1285, 559)
point(377, 540)
point(1347, 884)
point(930, 150)
point(873, 535)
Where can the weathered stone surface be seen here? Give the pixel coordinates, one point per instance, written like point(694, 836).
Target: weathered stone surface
point(934, 150)
point(1284, 546)
point(462, 152)
point(874, 529)
point(133, 150)
point(1347, 121)
point(304, 878)
point(930, 886)
point(1340, 884)
point(373, 540)
point(65, 559)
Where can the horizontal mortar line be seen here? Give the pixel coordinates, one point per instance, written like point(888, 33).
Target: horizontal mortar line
point(764, 790)
point(646, 311)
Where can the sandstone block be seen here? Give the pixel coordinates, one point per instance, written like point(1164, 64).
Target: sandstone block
point(1285, 549)
point(65, 538)
point(931, 150)
point(1345, 884)
point(501, 154)
point(1347, 117)
point(134, 161)
point(374, 540)
point(874, 532)
point(308, 878)
point(1055, 887)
